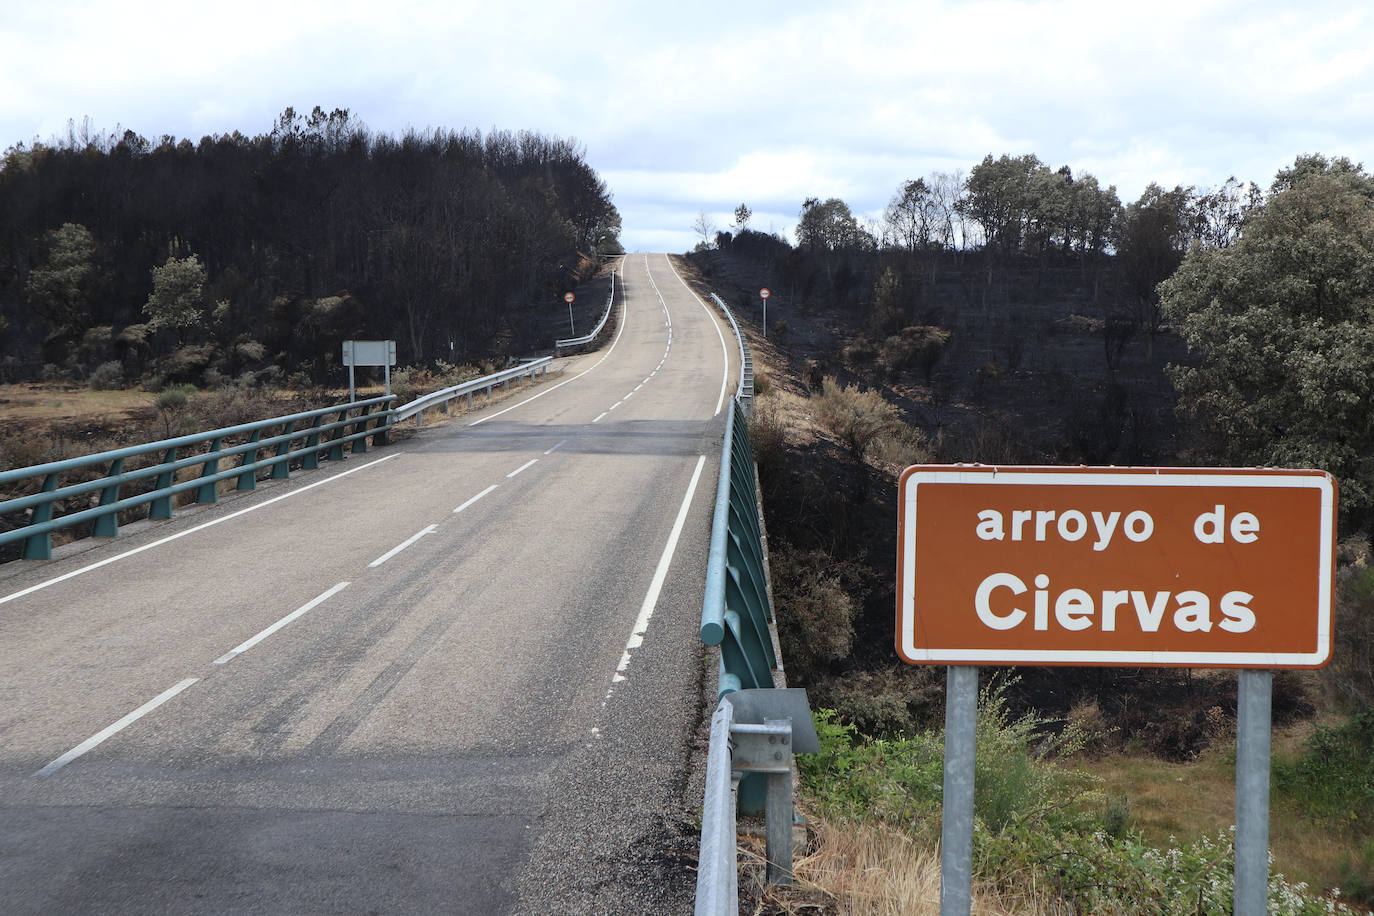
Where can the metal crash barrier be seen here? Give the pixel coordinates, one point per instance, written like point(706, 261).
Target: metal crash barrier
point(353, 424)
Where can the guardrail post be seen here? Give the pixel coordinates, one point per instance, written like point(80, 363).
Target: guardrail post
point(778, 810)
point(311, 460)
point(360, 425)
point(161, 508)
point(248, 480)
point(39, 546)
point(281, 470)
point(383, 434)
point(107, 526)
point(209, 492)
point(336, 442)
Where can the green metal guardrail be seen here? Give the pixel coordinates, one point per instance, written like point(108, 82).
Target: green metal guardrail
point(320, 438)
point(736, 611)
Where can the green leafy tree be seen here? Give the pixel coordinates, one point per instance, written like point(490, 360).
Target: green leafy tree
point(1151, 239)
point(57, 290)
point(178, 295)
point(1283, 320)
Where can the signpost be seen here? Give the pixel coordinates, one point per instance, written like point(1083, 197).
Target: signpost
point(568, 298)
point(368, 353)
point(764, 294)
point(1115, 566)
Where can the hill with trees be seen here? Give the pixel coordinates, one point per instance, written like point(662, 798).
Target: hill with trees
point(123, 258)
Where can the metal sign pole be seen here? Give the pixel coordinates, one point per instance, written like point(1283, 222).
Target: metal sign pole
point(956, 819)
point(1254, 706)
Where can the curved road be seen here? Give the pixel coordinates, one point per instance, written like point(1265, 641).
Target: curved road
point(458, 674)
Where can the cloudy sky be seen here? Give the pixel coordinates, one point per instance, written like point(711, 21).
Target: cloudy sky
point(692, 108)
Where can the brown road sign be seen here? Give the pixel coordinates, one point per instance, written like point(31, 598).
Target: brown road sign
point(1179, 567)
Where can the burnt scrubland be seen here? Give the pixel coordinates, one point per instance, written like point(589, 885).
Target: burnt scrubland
point(1191, 327)
point(132, 261)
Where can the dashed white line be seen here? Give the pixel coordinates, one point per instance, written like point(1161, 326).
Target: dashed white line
point(475, 498)
point(614, 406)
point(303, 609)
point(430, 529)
point(646, 610)
point(600, 415)
point(116, 728)
point(524, 467)
point(556, 447)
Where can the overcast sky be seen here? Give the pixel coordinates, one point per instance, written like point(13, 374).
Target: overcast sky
point(700, 107)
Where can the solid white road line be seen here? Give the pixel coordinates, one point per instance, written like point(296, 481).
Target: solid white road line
point(620, 330)
point(403, 545)
point(646, 610)
point(303, 609)
point(181, 534)
point(474, 499)
point(116, 728)
point(725, 376)
point(524, 467)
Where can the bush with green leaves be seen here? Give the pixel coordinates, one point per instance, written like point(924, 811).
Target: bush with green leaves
point(1043, 834)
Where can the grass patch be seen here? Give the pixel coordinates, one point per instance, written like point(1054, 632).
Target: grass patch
point(1117, 836)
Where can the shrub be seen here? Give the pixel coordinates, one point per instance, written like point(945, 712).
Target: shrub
point(857, 418)
point(767, 435)
point(886, 702)
point(1350, 676)
point(106, 376)
point(815, 612)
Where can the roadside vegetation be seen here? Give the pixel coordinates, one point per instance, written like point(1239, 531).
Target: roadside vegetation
point(1187, 328)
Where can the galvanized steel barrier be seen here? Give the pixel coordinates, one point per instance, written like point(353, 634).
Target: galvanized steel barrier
point(600, 325)
point(749, 762)
point(737, 608)
point(746, 358)
point(319, 439)
point(441, 398)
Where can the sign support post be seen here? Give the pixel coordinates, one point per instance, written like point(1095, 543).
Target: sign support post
point(368, 353)
point(956, 819)
point(1169, 567)
point(1254, 706)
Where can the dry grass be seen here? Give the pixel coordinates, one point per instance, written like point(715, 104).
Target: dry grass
point(1188, 801)
point(870, 869)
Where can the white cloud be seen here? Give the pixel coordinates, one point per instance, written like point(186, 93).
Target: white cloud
point(685, 110)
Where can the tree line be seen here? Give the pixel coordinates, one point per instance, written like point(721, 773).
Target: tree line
point(1270, 289)
point(173, 261)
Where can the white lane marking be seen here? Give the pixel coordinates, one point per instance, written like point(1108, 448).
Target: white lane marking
point(631, 394)
point(556, 447)
point(646, 610)
point(181, 534)
point(615, 405)
point(303, 609)
point(524, 467)
point(600, 415)
point(116, 728)
point(430, 529)
point(620, 330)
point(725, 353)
point(474, 499)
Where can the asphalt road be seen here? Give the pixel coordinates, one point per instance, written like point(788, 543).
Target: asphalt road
point(456, 674)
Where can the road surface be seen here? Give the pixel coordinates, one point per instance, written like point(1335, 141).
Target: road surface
point(456, 674)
